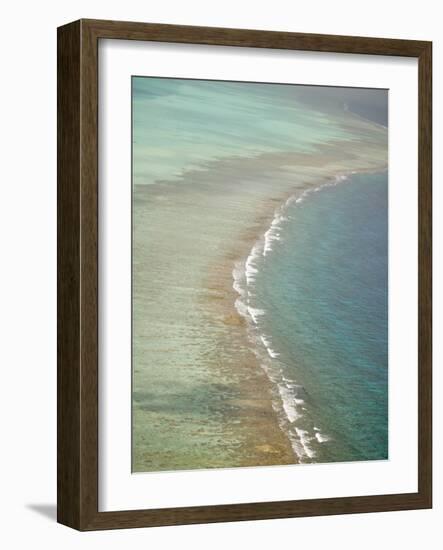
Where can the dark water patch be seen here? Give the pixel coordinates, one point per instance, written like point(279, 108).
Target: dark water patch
point(324, 292)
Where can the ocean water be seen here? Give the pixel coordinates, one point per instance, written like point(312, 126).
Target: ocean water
point(182, 125)
point(211, 162)
point(315, 293)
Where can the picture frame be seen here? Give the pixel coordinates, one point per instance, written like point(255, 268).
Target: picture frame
point(78, 279)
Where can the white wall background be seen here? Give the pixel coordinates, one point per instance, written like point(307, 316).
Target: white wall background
point(28, 271)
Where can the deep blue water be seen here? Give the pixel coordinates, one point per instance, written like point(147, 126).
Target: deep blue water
point(324, 290)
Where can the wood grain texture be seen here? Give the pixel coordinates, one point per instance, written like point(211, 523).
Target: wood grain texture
point(253, 38)
point(77, 453)
point(425, 273)
point(68, 275)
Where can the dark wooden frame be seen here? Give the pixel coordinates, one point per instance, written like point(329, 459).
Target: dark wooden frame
point(77, 456)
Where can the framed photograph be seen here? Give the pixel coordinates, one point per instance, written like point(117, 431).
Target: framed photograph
point(244, 274)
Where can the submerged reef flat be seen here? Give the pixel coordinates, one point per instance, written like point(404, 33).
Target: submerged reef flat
point(201, 396)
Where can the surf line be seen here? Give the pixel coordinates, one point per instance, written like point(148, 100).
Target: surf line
point(288, 402)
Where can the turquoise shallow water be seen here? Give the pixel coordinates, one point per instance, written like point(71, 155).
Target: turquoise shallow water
point(181, 125)
point(318, 293)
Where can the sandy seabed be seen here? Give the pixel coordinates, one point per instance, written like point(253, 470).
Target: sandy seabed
point(200, 396)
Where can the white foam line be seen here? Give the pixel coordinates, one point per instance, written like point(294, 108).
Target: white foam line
point(288, 407)
point(273, 233)
point(255, 313)
point(272, 354)
point(321, 438)
point(251, 265)
point(304, 439)
point(238, 276)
